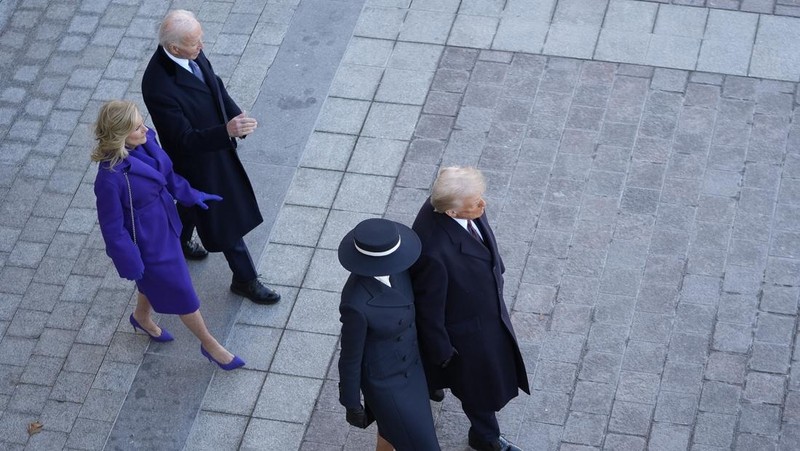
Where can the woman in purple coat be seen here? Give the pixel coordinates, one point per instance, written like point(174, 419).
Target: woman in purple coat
point(136, 191)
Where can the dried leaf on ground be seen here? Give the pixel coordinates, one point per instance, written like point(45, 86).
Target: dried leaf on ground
point(35, 428)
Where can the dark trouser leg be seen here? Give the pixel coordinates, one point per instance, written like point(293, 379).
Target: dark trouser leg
point(484, 424)
point(240, 262)
point(187, 220)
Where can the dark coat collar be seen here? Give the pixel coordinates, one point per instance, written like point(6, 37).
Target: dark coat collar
point(383, 296)
point(182, 76)
point(460, 237)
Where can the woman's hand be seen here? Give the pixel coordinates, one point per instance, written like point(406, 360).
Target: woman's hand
point(201, 201)
point(357, 416)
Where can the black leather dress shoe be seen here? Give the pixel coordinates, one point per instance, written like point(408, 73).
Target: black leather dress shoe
point(501, 444)
point(255, 291)
point(436, 395)
point(193, 250)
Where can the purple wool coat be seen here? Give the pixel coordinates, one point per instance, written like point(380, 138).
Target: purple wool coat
point(155, 261)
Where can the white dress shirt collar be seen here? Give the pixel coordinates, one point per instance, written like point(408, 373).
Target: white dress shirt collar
point(183, 62)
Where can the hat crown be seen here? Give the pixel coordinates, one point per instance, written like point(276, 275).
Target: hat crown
point(376, 235)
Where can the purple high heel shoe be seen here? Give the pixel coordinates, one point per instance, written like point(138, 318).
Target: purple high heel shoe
point(164, 337)
point(232, 365)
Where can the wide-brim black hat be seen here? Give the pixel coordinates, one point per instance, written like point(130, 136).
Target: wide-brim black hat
point(379, 247)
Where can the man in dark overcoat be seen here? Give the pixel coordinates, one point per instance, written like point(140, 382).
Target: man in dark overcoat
point(198, 124)
point(466, 338)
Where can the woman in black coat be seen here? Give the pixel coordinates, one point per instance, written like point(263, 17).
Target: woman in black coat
point(380, 357)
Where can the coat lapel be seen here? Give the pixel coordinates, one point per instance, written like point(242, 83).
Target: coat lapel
point(140, 168)
point(182, 76)
point(383, 296)
point(467, 244)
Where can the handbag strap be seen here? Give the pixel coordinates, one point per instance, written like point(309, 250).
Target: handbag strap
point(130, 201)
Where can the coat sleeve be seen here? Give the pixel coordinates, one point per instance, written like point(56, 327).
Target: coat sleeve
point(231, 108)
point(429, 279)
point(119, 244)
point(354, 335)
point(166, 110)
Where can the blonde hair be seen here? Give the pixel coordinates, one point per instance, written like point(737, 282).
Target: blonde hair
point(176, 24)
point(453, 185)
point(115, 121)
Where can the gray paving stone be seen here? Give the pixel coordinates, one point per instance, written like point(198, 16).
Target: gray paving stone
point(770, 357)
point(764, 388)
point(13, 427)
point(391, 121)
point(314, 310)
point(303, 354)
point(102, 405)
point(313, 187)
point(714, 429)
point(760, 418)
point(255, 344)
point(688, 348)
point(472, 31)
point(773, 328)
point(682, 377)
point(272, 402)
point(720, 398)
point(227, 392)
point(88, 434)
point(619, 442)
point(585, 428)
point(426, 26)
point(548, 407)
point(342, 116)
point(637, 387)
point(212, 430)
point(750, 441)
point(85, 358)
point(381, 23)
point(520, 34)
point(676, 408)
point(592, 397)
point(607, 338)
point(299, 225)
point(651, 327)
point(614, 309)
point(555, 376)
point(114, 376)
point(630, 417)
point(669, 436)
point(323, 428)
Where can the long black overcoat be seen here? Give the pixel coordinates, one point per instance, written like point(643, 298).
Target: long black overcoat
point(458, 290)
point(190, 117)
point(380, 358)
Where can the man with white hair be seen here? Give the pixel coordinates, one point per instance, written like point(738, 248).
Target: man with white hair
point(198, 124)
point(465, 335)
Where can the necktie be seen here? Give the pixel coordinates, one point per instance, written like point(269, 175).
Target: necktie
point(196, 71)
point(473, 232)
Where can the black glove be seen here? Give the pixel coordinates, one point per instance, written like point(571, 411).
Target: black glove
point(446, 363)
point(357, 417)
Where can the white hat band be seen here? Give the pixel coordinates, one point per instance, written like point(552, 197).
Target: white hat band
point(381, 253)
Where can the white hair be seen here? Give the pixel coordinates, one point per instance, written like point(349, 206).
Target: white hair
point(453, 185)
point(176, 24)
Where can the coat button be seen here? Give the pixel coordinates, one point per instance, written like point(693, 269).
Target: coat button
point(404, 358)
point(400, 322)
point(400, 338)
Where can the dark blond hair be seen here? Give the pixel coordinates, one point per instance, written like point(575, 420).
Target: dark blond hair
point(453, 185)
point(115, 121)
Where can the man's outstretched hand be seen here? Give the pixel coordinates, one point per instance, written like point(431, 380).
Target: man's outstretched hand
point(242, 125)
